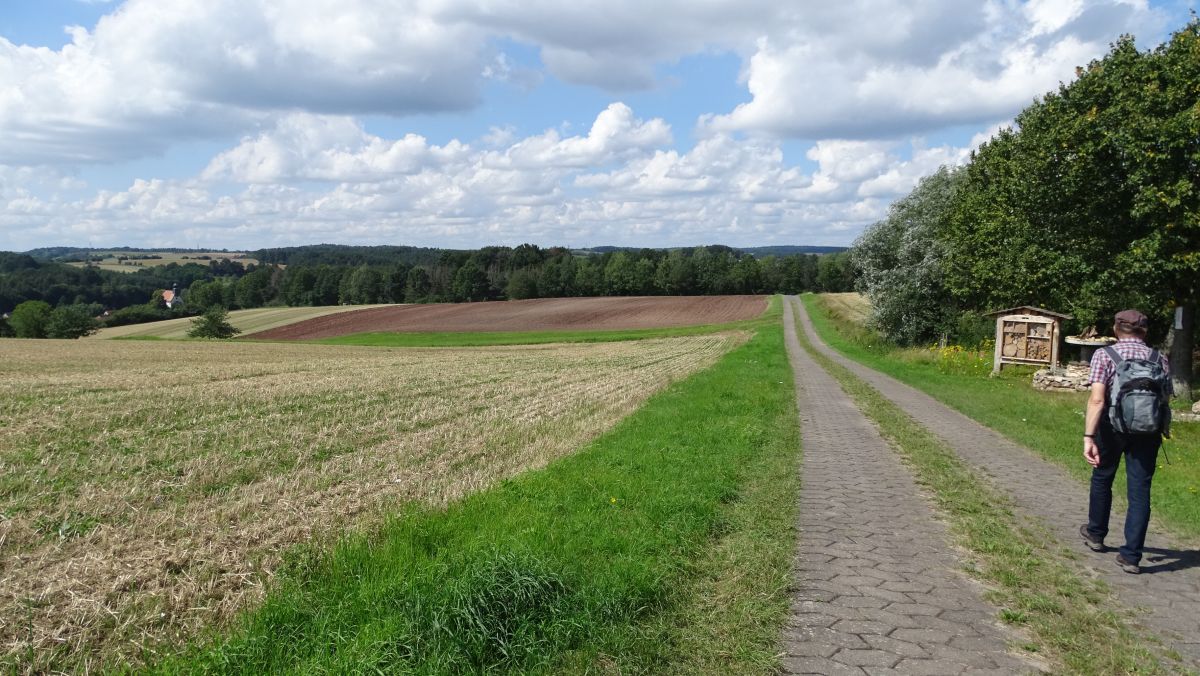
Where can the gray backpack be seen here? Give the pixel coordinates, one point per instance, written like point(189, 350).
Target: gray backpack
point(1139, 401)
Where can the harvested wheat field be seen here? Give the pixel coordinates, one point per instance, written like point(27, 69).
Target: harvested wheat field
point(852, 306)
point(543, 314)
point(147, 490)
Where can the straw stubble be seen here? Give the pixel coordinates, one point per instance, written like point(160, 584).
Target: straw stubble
point(148, 489)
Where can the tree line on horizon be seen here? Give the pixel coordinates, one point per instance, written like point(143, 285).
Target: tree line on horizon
point(524, 272)
point(492, 273)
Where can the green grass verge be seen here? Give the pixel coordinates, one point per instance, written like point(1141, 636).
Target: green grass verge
point(663, 546)
point(1073, 622)
point(1049, 423)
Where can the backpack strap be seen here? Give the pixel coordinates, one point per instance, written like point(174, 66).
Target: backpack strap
point(1113, 355)
point(1155, 357)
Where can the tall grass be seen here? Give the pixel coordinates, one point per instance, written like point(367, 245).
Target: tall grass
point(616, 559)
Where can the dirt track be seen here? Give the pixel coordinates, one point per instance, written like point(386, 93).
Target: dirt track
point(547, 314)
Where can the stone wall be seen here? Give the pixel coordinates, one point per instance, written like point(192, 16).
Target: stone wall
point(1072, 378)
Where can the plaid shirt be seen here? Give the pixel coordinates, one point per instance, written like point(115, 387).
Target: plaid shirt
point(1103, 368)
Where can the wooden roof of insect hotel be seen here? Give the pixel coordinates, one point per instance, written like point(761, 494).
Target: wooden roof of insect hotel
point(1027, 310)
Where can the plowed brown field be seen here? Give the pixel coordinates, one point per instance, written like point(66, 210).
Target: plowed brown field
point(545, 314)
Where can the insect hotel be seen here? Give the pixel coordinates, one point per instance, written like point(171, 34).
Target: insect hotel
point(1027, 335)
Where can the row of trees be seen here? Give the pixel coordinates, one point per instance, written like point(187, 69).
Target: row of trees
point(528, 271)
point(1089, 204)
point(23, 277)
point(37, 319)
point(492, 273)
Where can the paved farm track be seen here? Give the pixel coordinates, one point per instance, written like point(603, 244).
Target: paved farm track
point(878, 587)
point(545, 314)
point(1169, 587)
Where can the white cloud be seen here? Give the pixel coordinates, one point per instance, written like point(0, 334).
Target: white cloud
point(850, 160)
point(902, 176)
point(156, 71)
point(914, 67)
point(1047, 16)
point(322, 178)
point(614, 134)
point(308, 147)
point(615, 44)
point(285, 82)
point(153, 72)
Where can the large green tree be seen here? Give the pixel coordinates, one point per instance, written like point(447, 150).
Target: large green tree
point(214, 323)
point(29, 319)
point(1091, 203)
point(416, 285)
point(900, 261)
point(470, 282)
point(72, 321)
point(255, 289)
point(362, 286)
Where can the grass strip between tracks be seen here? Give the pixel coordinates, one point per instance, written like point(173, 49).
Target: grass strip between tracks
point(1050, 423)
point(664, 546)
point(1073, 622)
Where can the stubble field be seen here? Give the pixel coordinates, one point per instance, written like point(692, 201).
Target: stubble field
point(148, 489)
point(854, 307)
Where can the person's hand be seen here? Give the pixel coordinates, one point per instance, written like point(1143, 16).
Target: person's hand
point(1091, 452)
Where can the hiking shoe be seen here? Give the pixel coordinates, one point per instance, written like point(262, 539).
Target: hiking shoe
point(1094, 543)
point(1128, 566)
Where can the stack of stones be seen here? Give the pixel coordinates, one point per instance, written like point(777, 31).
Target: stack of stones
point(1194, 416)
point(1072, 378)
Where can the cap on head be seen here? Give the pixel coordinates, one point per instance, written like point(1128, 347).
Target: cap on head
point(1131, 321)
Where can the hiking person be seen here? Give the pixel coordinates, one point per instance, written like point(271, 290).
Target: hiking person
point(1128, 414)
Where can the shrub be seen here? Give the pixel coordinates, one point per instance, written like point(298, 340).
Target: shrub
point(138, 314)
point(29, 319)
point(72, 321)
point(214, 323)
point(974, 330)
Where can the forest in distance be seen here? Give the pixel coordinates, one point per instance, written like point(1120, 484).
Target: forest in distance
point(333, 275)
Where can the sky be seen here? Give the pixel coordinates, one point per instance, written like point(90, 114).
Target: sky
point(242, 124)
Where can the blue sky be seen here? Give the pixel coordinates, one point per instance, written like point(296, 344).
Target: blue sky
point(248, 123)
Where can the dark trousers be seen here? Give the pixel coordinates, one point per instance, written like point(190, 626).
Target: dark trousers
point(1141, 456)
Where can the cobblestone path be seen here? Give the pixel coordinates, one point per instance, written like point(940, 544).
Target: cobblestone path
point(1168, 588)
point(877, 587)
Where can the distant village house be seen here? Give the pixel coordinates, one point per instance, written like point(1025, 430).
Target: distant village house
point(172, 296)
